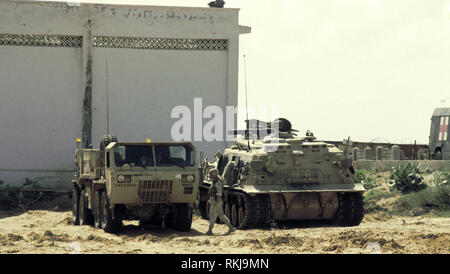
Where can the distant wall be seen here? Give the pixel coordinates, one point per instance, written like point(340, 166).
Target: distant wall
point(389, 164)
point(58, 62)
point(408, 151)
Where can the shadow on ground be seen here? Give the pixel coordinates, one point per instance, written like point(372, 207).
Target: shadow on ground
point(13, 203)
point(157, 231)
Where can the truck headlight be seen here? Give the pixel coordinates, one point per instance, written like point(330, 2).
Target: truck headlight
point(121, 178)
point(187, 178)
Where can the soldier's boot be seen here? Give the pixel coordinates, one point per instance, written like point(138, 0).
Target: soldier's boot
point(231, 229)
point(209, 232)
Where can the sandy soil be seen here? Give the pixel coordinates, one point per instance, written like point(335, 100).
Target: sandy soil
point(43, 231)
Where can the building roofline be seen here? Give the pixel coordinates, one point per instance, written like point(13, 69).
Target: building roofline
point(135, 5)
point(443, 111)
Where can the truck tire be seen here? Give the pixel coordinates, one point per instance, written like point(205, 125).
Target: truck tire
point(203, 211)
point(76, 205)
point(172, 217)
point(86, 217)
point(109, 224)
point(98, 212)
point(183, 217)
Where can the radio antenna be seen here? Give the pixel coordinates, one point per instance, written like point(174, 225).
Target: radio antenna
point(246, 105)
point(107, 98)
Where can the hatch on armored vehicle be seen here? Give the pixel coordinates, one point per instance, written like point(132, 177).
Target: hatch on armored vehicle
point(155, 183)
point(271, 174)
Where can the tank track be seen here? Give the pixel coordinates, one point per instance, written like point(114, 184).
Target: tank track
point(252, 212)
point(351, 209)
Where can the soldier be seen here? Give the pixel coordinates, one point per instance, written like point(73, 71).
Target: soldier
point(216, 193)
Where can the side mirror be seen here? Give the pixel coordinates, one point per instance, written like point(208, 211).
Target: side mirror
point(201, 156)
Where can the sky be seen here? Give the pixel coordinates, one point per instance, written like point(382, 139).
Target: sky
point(373, 70)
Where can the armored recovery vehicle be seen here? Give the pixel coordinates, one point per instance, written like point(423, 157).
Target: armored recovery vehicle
point(155, 183)
point(273, 175)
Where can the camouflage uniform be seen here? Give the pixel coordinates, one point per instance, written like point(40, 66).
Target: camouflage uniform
point(216, 194)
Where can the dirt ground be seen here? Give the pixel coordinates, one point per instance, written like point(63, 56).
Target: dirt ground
point(44, 231)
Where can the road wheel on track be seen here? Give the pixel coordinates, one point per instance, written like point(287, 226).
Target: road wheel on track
point(241, 216)
point(358, 209)
point(227, 210)
point(76, 205)
point(350, 211)
point(98, 210)
point(247, 212)
point(347, 209)
point(86, 217)
point(234, 215)
point(109, 224)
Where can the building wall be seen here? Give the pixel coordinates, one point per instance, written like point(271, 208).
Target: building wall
point(42, 87)
point(407, 149)
point(387, 165)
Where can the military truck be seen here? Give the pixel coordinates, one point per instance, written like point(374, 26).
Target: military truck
point(271, 174)
point(155, 183)
point(439, 143)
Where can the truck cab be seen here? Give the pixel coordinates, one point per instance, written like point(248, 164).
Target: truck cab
point(155, 183)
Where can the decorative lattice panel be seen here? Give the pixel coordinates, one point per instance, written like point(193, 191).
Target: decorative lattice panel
point(160, 43)
point(66, 41)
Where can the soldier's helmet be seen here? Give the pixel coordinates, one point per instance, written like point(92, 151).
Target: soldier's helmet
point(214, 172)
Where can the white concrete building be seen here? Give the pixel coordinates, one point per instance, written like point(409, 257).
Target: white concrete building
point(58, 62)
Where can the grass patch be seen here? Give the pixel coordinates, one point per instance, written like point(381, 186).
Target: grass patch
point(372, 197)
point(432, 199)
point(366, 178)
point(375, 195)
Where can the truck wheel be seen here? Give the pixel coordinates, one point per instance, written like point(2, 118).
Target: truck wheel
point(172, 217)
point(86, 217)
point(109, 224)
point(76, 205)
point(98, 212)
point(184, 217)
point(202, 209)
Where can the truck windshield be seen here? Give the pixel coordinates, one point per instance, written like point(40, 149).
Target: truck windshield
point(134, 156)
point(174, 155)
